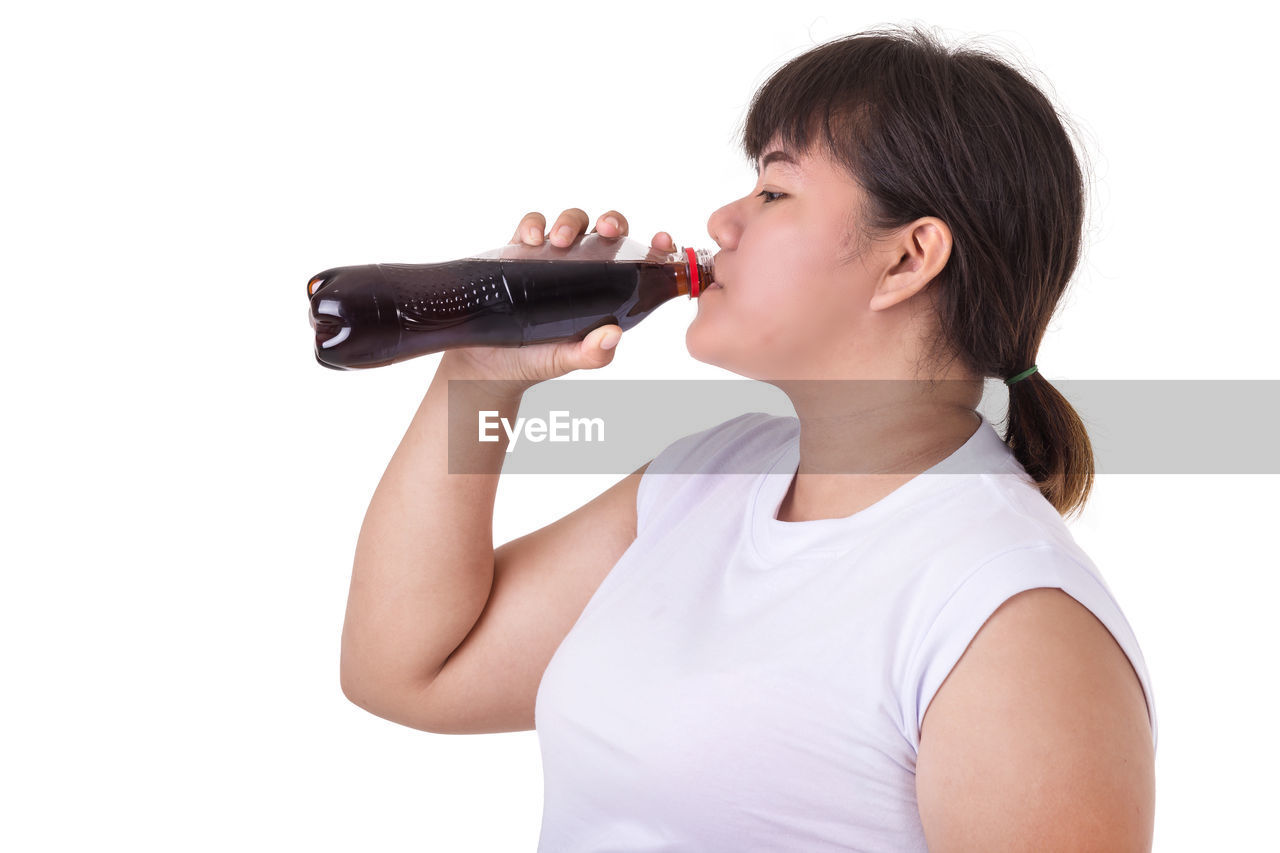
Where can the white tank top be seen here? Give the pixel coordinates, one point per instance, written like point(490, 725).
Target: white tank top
point(743, 683)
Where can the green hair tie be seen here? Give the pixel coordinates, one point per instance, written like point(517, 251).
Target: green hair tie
point(1023, 375)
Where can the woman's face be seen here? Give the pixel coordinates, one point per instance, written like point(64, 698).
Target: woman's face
point(792, 304)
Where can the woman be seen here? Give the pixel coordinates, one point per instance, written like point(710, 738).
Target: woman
point(848, 649)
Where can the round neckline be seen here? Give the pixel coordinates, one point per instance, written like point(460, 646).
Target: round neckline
point(984, 452)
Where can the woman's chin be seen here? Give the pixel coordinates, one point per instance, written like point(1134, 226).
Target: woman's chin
point(698, 346)
point(708, 349)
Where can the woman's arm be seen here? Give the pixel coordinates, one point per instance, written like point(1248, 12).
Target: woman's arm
point(1039, 738)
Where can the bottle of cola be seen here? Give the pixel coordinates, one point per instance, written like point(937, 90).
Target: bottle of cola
point(377, 314)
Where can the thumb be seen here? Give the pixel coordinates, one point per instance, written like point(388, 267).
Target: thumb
point(597, 348)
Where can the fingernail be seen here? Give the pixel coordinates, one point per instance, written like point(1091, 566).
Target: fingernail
point(614, 222)
point(610, 340)
point(531, 233)
point(563, 232)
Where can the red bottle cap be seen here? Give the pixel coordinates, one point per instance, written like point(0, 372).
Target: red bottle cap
point(695, 286)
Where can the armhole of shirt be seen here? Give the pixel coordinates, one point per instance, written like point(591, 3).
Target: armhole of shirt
point(981, 593)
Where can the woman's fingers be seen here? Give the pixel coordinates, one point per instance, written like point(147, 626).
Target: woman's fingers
point(572, 222)
point(530, 229)
point(663, 242)
point(568, 226)
point(612, 224)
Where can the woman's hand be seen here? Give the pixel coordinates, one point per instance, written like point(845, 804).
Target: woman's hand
point(519, 368)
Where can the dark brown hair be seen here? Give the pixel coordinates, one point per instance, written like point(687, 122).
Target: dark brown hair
point(959, 134)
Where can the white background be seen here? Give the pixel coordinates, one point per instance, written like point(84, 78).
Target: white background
point(184, 484)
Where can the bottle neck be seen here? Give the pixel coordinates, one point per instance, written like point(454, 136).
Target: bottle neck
point(698, 272)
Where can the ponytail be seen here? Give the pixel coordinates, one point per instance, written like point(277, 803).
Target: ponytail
point(1048, 438)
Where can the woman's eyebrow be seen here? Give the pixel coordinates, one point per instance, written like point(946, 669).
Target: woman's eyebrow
point(776, 156)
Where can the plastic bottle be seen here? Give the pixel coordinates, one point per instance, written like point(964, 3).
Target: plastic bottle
point(378, 314)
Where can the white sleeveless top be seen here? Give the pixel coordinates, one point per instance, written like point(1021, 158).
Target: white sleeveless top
point(743, 683)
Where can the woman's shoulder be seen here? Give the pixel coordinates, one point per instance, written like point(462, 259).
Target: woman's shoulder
point(749, 443)
point(1041, 658)
point(960, 590)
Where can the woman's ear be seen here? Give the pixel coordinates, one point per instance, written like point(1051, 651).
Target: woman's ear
point(917, 253)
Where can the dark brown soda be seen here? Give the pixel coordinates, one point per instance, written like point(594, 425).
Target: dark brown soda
point(378, 314)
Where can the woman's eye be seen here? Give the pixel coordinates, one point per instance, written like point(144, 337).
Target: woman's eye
point(766, 193)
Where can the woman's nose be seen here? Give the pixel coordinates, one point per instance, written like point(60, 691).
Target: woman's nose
point(723, 227)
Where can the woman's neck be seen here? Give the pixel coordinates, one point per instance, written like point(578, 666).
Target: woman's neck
point(862, 440)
